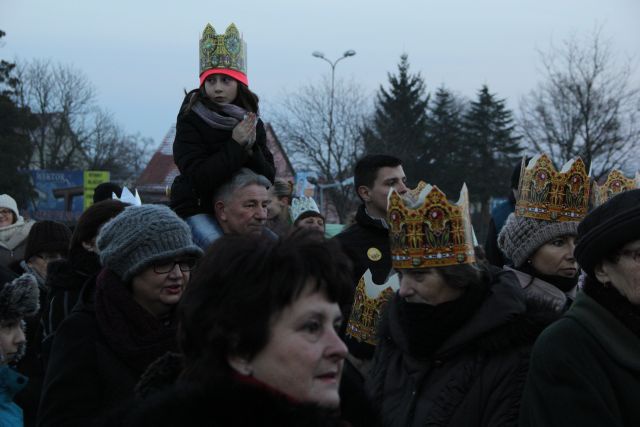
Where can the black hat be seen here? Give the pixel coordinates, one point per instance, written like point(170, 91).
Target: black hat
point(608, 228)
point(105, 191)
point(47, 236)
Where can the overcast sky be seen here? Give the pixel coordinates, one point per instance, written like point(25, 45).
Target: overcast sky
point(142, 54)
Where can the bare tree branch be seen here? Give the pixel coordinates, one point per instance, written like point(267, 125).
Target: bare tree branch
point(586, 106)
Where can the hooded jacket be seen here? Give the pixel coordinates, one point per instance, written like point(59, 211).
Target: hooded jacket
point(474, 378)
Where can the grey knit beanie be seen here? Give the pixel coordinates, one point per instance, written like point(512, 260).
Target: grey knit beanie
point(521, 237)
point(141, 235)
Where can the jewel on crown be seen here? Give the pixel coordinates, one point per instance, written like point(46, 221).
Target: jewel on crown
point(547, 194)
point(615, 183)
point(425, 230)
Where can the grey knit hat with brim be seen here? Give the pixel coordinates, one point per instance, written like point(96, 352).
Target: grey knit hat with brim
point(142, 235)
point(521, 236)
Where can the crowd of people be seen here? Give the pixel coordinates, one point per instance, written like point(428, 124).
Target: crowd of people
point(231, 306)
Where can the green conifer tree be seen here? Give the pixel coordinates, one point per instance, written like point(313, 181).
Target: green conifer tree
point(445, 143)
point(14, 142)
point(491, 148)
point(400, 120)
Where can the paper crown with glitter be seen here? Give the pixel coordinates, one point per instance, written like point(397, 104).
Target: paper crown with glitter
point(302, 204)
point(615, 183)
point(550, 195)
point(223, 54)
point(425, 230)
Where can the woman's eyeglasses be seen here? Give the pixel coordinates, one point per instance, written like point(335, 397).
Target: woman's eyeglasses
point(167, 267)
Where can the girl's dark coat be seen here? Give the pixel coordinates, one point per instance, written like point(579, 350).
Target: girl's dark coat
point(207, 158)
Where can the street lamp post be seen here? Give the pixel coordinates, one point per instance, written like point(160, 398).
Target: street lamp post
point(333, 64)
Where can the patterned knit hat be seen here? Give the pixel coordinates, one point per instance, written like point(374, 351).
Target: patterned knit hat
point(521, 236)
point(142, 235)
point(47, 236)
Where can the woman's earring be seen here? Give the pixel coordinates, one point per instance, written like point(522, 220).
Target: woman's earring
point(529, 261)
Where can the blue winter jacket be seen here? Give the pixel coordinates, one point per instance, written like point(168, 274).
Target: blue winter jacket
point(11, 382)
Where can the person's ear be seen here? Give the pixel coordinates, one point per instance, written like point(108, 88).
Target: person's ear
point(218, 208)
point(365, 193)
point(240, 364)
point(602, 273)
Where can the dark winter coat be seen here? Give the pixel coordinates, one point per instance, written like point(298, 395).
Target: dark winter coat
point(499, 216)
point(474, 378)
point(207, 158)
point(361, 242)
point(65, 279)
point(235, 404)
point(86, 376)
point(162, 377)
point(585, 371)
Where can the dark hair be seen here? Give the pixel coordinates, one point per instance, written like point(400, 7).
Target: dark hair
point(104, 191)
point(238, 288)
point(463, 275)
point(90, 221)
point(308, 214)
point(366, 170)
point(245, 99)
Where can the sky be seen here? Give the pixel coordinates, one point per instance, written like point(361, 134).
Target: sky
point(141, 55)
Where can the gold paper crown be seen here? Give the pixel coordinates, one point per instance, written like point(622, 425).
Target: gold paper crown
point(616, 183)
point(224, 51)
point(427, 231)
point(546, 194)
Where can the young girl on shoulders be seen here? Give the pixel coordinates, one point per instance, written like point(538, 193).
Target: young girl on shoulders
point(218, 132)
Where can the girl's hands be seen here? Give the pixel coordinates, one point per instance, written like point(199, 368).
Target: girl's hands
point(245, 132)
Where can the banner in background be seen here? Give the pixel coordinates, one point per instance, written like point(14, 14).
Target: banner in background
point(91, 180)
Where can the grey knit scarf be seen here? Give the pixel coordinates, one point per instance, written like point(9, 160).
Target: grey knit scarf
point(217, 121)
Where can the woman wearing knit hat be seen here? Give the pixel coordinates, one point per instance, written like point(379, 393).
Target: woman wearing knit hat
point(218, 132)
point(18, 299)
point(454, 340)
point(540, 236)
point(305, 214)
point(13, 232)
point(124, 322)
point(585, 368)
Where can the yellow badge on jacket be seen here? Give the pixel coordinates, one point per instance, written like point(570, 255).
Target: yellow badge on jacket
point(374, 254)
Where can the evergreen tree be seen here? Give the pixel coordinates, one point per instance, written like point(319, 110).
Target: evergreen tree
point(14, 142)
point(492, 148)
point(445, 143)
point(400, 120)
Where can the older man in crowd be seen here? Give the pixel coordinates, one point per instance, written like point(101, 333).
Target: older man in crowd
point(240, 205)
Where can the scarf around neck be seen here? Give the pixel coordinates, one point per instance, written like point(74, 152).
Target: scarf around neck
point(133, 333)
point(232, 115)
point(427, 327)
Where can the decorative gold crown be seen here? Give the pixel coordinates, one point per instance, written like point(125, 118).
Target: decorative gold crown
point(226, 51)
point(546, 194)
point(427, 231)
point(616, 183)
